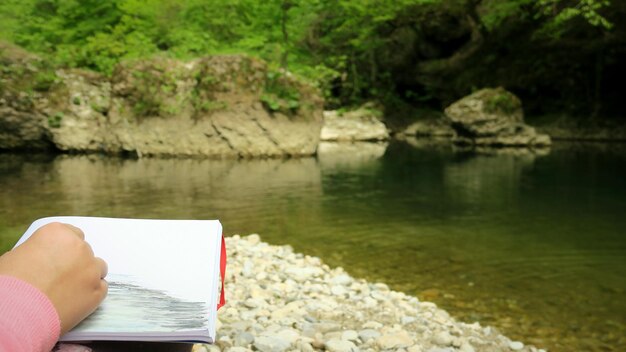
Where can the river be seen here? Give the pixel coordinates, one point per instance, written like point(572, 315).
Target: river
point(533, 245)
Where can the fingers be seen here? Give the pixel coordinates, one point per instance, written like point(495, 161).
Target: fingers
point(104, 286)
point(104, 268)
point(76, 230)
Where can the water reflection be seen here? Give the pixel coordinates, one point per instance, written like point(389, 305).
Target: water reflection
point(532, 244)
point(357, 155)
point(491, 180)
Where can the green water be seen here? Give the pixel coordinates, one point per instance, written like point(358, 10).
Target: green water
point(535, 246)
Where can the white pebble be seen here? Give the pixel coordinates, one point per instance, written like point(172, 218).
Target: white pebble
point(516, 345)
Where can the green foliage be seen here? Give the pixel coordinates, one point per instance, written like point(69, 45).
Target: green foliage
point(560, 16)
point(54, 121)
point(502, 102)
point(555, 14)
point(99, 34)
point(203, 94)
point(343, 46)
point(153, 91)
point(44, 80)
point(279, 95)
point(99, 108)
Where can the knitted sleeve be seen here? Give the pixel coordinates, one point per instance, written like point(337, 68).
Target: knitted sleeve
point(28, 320)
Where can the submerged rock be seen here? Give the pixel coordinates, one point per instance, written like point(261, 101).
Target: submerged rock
point(433, 127)
point(492, 117)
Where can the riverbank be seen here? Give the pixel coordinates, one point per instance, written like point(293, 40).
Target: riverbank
point(278, 300)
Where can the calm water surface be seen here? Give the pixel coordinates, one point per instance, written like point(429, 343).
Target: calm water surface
point(535, 246)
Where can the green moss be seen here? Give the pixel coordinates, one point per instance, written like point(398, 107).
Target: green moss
point(503, 102)
point(152, 87)
point(99, 108)
point(203, 97)
point(44, 80)
point(34, 75)
point(208, 106)
point(279, 95)
point(54, 121)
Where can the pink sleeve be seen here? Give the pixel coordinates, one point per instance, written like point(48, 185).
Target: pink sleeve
point(28, 320)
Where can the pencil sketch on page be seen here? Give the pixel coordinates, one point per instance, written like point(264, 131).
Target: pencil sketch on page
point(130, 307)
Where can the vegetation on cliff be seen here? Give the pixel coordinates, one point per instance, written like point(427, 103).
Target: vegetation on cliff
point(557, 55)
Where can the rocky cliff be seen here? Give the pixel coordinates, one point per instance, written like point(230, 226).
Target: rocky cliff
point(220, 106)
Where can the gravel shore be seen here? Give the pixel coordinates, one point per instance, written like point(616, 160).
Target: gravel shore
point(278, 300)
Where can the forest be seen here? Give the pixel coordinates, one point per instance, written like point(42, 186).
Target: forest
point(559, 56)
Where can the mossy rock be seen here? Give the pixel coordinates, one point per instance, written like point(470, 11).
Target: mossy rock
point(501, 101)
point(23, 72)
point(150, 87)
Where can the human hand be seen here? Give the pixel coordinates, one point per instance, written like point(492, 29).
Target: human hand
point(57, 260)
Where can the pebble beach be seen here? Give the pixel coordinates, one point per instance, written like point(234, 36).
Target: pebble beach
point(279, 300)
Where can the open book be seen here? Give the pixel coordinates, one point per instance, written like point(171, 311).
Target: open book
point(164, 278)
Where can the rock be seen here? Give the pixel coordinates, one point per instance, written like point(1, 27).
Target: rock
point(199, 348)
point(237, 349)
point(492, 117)
point(289, 335)
point(395, 340)
point(85, 105)
point(433, 127)
point(253, 303)
point(338, 290)
point(378, 296)
point(343, 279)
point(362, 124)
point(442, 338)
point(253, 239)
point(270, 344)
point(224, 341)
point(372, 325)
point(466, 347)
point(325, 327)
point(220, 106)
point(25, 80)
point(336, 345)
point(216, 109)
point(304, 346)
point(381, 287)
point(407, 320)
point(243, 339)
point(516, 345)
point(303, 274)
point(349, 335)
point(368, 334)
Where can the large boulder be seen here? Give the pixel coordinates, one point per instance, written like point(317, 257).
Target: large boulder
point(24, 80)
point(80, 121)
point(226, 106)
point(362, 124)
point(492, 117)
point(219, 106)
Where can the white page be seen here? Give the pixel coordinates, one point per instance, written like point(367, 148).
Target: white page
point(170, 262)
